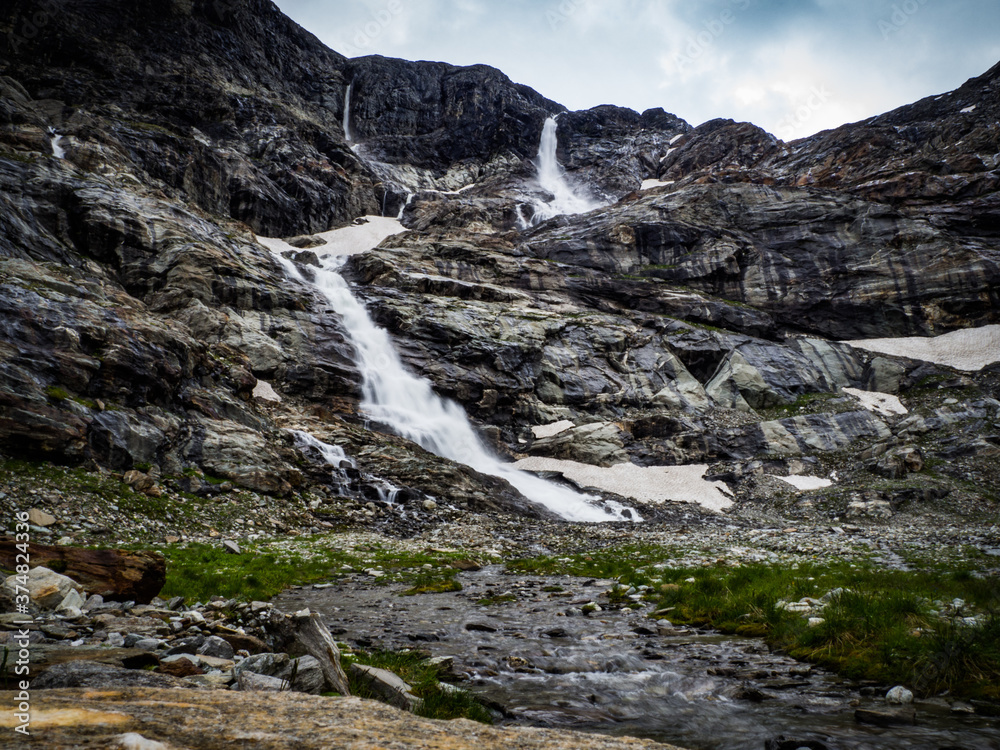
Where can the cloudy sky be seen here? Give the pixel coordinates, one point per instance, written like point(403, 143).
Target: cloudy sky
point(794, 67)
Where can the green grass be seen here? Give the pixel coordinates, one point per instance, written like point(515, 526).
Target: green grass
point(885, 626)
point(267, 568)
point(437, 581)
point(413, 668)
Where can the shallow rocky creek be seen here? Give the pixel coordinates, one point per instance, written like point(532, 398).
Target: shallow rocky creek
point(614, 671)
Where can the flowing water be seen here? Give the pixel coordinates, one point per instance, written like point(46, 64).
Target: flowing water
point(552, 179)
point(536, 654)
point(408, 405)
point(57, 150)
point(347, 113)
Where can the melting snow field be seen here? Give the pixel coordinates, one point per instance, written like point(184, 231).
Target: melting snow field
point(969, 350)
point(881, 403)
point(651, 484)
point(806, 483)
point(350, 240)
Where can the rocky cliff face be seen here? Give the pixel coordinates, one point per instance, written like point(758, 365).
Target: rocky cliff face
point(698, 321)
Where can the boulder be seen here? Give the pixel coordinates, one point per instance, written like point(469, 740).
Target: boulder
point(46, 588)
point(216, 647)
point(387, 685)
point(312, 637)
point(117, 575)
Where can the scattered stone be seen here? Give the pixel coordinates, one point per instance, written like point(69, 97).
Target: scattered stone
point(39, 517)
point(179, 665)
point(899, 695)
point(216, 647)
point(254, 682)
point(232, 547)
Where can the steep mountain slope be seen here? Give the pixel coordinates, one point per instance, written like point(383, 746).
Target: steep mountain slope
point(142, 147)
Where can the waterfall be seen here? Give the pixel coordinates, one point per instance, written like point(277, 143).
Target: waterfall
point(552, 179)
point(347, 112)
point(409, 200)
point(57, 150)
point(408, 404)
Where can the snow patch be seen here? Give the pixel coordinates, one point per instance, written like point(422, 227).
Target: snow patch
point(650, 484)
point(134, 741)
point(800, 482)
point(881, 403)
point(351, 240)
point(263, 390)
point(676, 138)
point(549, 430)
point(650, 184)
point(967, 110)
point(969, 350)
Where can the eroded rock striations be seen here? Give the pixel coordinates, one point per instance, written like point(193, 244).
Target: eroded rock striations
point(146, 332)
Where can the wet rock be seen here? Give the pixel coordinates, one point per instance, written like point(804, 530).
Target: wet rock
point(899, 695)
point(782, 743)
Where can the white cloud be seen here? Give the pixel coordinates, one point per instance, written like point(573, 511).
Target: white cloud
point(797, 66)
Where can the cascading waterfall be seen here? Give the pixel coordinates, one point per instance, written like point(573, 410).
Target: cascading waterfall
point(408, 405)
point(552, 179)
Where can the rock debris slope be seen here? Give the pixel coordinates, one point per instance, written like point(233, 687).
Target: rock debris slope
point(145, 330)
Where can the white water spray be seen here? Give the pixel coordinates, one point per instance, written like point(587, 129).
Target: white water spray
point(408, 405)
point(552, 179)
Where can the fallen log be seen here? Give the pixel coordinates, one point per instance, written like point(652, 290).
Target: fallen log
point(117, 575)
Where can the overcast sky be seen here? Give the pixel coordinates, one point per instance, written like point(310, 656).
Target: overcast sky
point(794, 67)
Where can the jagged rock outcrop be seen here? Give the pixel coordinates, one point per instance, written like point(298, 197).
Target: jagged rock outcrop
point(141, 147)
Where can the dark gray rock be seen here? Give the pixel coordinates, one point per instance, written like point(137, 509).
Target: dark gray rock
point(89, 674)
